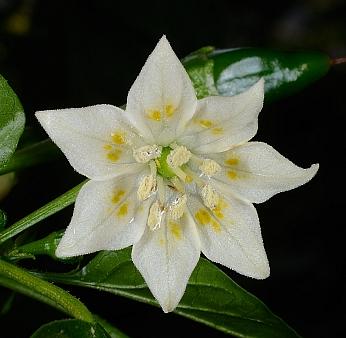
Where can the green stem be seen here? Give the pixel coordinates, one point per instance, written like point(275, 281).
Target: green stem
point(38, 215)
point(37, 153)
point(20, 280)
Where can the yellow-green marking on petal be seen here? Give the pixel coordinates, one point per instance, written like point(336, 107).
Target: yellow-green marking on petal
point(232, 175)
point(114, 155)
point(154, 115)
point(122, 211)
point(232, 161)
point(117, 196)
point(118, 138)
point(175, 229)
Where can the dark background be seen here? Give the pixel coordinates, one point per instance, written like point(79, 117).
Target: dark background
point(59, 54)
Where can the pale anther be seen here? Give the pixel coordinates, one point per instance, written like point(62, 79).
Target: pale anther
point(146, 153)
point(210, 197)
point(178, 156)
point(177, 208)
point(147, 187)
point(155, 216)
point(177, 184)
point(209, 167)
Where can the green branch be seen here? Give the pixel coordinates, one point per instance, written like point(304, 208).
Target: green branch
point(38, 215)
point(22, 281)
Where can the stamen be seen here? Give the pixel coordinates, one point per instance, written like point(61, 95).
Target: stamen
point(209, 167)
point(146, 187)
point(210, 197)
point(161, 187)
point(177, 184)
point(146, 153)
point(155, 216)
point(177, 208)
point(180, 173)
point(178, 156)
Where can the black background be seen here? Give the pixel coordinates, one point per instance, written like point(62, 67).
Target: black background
point(59, 54)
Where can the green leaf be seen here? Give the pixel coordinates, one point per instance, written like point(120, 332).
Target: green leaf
point(235, 70)
point(12, 120)
point(211, 296)
point(70, 328)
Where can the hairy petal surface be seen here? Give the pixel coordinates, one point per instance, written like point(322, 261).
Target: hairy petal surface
point(107, 216)
point(255, 171)
point(96, 140)
point(162, 99)
point(166, 258)
point(230, 235)
point(223, 122)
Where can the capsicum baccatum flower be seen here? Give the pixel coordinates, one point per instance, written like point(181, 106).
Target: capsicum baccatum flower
point(172, 176)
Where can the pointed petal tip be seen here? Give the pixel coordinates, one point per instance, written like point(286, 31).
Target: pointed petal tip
point(163, 47)
point(262, 272)
point(168, 307)
point(41, 116)
point(65, 251)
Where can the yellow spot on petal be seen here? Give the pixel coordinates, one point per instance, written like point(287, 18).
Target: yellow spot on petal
point(118, 138)
point(117, 196)
point(162, 241)
point(216, 226)
point(114, 155)
point(217, 131)
point(175, 229)
point(205, 123)
point(218, 210)
point(232, 175)
point(202, 217)
point(188, 179)
point(122, 211)
point(169, 110)
point(232, 161)
point(107, 147)
point(154, 115)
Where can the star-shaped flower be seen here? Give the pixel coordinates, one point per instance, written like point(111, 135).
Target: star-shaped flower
point(172, 176)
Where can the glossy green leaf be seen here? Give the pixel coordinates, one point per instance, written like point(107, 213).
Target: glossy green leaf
point(235, 70)
point(12, 120)
point(70, 328)
point(211, 296)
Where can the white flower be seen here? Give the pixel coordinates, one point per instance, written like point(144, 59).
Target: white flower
point(172, 176)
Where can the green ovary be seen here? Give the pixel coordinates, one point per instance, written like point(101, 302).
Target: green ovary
point(162, 166)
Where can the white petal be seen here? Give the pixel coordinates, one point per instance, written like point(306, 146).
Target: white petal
point(231, 235)
point(223, 122)
point(255, 171)
point(162, 98)
point(107, 216)
point(166, 258)
point(93, 139)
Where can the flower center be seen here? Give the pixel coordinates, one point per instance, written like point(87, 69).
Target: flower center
point(171, 160)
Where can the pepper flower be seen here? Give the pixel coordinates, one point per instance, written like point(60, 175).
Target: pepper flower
point(172, 176)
